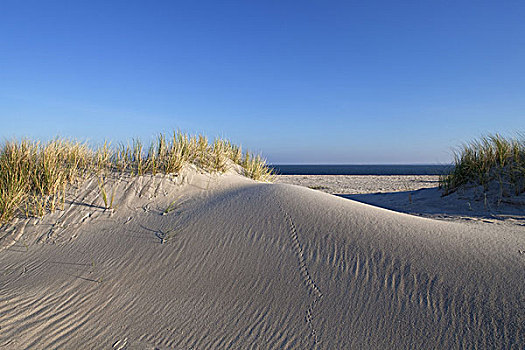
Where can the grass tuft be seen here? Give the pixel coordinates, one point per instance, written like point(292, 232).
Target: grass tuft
point(108, 201)
point(256, 168)
point(488, 161)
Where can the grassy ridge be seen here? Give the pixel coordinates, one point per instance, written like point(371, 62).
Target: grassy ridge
point(34, 176)
point(488, 161)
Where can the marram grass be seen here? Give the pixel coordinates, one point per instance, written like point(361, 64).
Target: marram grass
point(489, 161)
point(34, 176)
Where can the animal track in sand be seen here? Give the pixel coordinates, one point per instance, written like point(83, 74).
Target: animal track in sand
point(306, 277)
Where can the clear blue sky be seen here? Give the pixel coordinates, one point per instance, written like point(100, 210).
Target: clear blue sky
point(299, 81)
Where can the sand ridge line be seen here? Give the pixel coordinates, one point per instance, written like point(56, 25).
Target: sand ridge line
point(305, 274)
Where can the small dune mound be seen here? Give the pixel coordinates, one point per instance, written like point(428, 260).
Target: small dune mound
point(34, 177)
point(491, 169)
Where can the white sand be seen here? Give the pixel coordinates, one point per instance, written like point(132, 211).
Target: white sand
point(359, 184)
point(239, 264)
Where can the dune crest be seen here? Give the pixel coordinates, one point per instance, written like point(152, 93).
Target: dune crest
point(221, 261)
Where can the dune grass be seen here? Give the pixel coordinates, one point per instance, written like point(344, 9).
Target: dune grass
point(34, 176)
point(489, 161)
point(108, 200)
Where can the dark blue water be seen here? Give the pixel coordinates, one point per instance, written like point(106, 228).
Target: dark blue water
point(350, 169)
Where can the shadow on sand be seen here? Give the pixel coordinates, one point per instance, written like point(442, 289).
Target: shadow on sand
point(428, 202)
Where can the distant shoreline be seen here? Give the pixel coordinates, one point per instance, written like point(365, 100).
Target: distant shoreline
point(361, 169)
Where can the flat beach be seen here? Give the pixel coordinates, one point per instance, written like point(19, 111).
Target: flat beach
point(220, 261)
point(361, 184)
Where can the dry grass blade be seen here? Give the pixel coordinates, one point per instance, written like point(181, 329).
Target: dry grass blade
point(108, 201)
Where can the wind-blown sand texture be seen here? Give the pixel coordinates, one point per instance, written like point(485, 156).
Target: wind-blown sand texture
point(241, 264)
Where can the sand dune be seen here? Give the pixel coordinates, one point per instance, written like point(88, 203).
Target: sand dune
point(240, 264)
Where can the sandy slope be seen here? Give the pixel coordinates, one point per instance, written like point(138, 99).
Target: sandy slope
point(239, 264)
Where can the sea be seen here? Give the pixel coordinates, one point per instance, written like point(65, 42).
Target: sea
point(361, 169)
